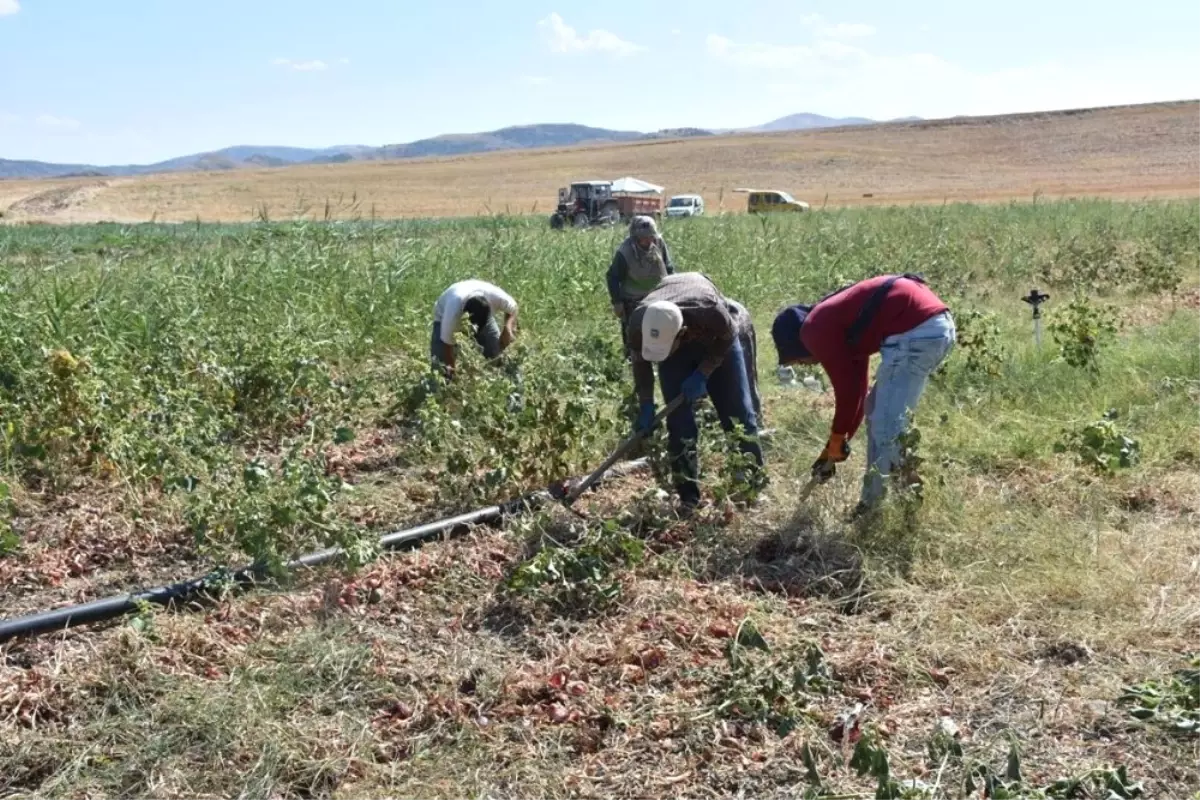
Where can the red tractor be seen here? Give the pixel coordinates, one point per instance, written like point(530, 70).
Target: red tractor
point(588, 203)
point(584, 204)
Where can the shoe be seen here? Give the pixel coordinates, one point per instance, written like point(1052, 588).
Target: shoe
point(688, 508)
point(861, 512)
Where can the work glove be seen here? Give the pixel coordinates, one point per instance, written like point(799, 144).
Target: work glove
point(836, 450)
point(619, 310)
point(645, 417)
point(695, 386)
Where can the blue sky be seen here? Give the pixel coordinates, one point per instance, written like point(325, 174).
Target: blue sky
point(135, 81)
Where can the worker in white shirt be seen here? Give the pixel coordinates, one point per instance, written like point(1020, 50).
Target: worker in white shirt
point(480, 302)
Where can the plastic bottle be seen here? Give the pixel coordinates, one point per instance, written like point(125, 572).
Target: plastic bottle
point(787, 378)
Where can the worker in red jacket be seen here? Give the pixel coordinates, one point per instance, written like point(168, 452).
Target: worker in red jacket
point(900, 318)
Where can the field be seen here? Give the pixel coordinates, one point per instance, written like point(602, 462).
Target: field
point(174, 398)
point(1140, 152)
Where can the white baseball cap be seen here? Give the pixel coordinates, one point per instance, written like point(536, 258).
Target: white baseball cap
point(661, 322)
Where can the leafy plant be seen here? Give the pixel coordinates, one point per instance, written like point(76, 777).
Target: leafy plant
point(9, 541)
point(945, 744)
point(1082, 331)
point(771, 688)
point(978, 350)
point(1156, 272)
point(582, 577)
point(273, 512)
point(1173, 703)
point(1109, 784)
point(871, 759)
point(1101, 445)
point(1093, 260)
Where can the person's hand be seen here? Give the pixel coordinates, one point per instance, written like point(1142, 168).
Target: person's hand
point(837, 449)
point(645, 417)
point(619, 310)
point(695, 386)
point(508, 332)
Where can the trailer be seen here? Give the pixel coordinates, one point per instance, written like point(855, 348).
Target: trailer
point(637, 197)
point(587, 203)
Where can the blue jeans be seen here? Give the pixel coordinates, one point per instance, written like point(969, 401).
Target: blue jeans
point(730, 393)
point(909, 359)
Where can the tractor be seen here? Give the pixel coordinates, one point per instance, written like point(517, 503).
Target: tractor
point(586, 203)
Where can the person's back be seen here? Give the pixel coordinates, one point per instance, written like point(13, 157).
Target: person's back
point(457, 293)
point(908, 303)
point(480, 301)
point(705, 313)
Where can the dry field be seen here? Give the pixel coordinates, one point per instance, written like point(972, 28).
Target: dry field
point(1128, 152)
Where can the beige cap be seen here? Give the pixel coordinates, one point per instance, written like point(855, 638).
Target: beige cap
point(661, 322)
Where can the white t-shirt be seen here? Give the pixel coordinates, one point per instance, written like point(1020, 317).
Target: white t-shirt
point(448, 311)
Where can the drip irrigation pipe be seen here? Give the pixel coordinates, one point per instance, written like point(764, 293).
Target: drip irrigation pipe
point(110, 607)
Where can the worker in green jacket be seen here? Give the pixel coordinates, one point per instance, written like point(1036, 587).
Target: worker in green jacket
point(637, 267)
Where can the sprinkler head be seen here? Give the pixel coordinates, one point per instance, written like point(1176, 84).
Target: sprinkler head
point(1035, 298)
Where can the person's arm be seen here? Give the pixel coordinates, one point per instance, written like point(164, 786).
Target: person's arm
point(451, 316)
point(643, 370)
point(501, 301)
point(666, 256)
point(848, 376)
point(616, 275)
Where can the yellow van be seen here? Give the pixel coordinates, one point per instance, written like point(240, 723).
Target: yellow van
point(768, 200)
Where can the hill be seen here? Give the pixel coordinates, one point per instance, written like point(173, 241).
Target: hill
point(803, 122)
point(518, 137)
point(799, 122)
point(1130, 151)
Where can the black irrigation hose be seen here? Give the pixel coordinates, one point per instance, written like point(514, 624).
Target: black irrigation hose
point(110, 607)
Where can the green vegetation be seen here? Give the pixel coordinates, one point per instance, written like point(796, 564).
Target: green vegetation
point(1173, 703)
point(174, 398)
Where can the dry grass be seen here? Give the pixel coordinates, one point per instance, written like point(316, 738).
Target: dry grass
point(1136, 151)
point(423, 677)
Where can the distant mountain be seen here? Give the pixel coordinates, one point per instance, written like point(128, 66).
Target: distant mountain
point(237, 157)
point(251, 156)
point(678, 133)
point(518, 137)
point(40, 169)
point(800, 122)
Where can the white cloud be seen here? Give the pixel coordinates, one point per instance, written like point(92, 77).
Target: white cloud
point(811, 19)
point(315, 65)
point(535, 80)
point(52, 123)
point(822, 54)
point(344, 61)
point(676, 32)
point(562, 38)
point(847, 30)
point(9, 7)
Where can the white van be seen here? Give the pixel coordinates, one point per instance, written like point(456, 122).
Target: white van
point(685, 205)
